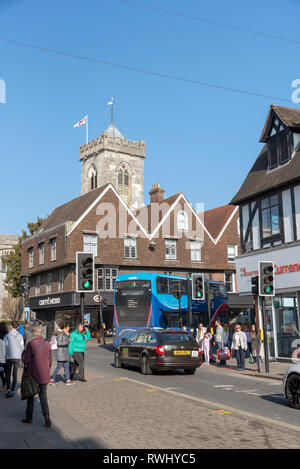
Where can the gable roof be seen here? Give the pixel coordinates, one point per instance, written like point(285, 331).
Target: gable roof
point(260, 180)
point(72, 210)
point(288, 116)
point(216, 219)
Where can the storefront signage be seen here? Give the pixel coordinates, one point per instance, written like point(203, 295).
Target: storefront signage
point(287, 271)
point(49, 301)
point(52, 301)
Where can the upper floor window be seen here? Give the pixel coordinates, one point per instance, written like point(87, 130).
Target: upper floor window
point(53, 249)
point(280, 147)
point(37, 285)
point(107, 277)
point(61, 279)
point(93, 177)
point(41, 253)
point(182, 221)
point(48, 284)
point(171, 248)
point(270, 218)
point(90, 243)
point(232, 252)
point(229, 282)
point(195, 251)
point(130, 248)
point(30, 257)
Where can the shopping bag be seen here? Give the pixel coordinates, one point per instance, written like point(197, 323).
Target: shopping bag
point(252, 359)
point(223, 353)
point(29, 386)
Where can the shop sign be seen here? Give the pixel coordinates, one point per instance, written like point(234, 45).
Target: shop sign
point(52, 301)
point(286, 268)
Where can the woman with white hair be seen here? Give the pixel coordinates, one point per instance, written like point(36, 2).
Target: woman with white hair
point(38, 358)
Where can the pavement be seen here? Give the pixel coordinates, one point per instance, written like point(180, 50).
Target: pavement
point(101, 414)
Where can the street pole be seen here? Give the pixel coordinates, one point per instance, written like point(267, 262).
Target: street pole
point(82, 307)
point(190, 319)
point(267, 367)
point(101, 318)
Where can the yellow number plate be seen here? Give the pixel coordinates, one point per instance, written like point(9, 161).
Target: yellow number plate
point(182, 352)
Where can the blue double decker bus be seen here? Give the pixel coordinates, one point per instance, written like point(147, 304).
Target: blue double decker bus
point(146, 300)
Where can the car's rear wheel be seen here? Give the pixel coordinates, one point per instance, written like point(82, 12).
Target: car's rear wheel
point(117, 360)
point(145, 366)
point(190, 371)
point(293, 390)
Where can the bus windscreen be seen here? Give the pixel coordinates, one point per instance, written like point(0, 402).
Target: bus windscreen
point(133, 302)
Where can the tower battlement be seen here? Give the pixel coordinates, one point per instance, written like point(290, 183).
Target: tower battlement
point(118, 144)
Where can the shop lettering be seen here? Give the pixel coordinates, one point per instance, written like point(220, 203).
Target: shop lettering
point(244, 272)
point(286, 269)
point(49, 301)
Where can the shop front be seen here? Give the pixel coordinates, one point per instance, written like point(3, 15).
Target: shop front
point(65, 306)
point(282, 310)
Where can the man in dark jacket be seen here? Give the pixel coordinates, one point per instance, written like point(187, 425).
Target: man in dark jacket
point(62, 353)
point(38, 358)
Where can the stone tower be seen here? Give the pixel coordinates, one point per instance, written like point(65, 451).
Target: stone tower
point(111, 158)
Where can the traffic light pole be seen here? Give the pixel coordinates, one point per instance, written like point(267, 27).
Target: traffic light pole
point(267, 366)
point(82, 307)
point(190, 319)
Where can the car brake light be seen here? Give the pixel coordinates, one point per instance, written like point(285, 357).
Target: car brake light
point(160, 350)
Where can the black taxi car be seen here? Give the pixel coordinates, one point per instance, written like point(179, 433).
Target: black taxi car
point(158, 349)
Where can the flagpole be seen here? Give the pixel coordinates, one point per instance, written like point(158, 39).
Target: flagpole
point(87, 130)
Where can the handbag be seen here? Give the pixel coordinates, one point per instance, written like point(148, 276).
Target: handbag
point(29, 386)
point(252, 359)
point(223, 353)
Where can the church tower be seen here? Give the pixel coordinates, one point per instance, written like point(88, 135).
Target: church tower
point(111, 158)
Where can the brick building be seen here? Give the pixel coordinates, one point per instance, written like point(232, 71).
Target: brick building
point(166, 236)
point(7, 243)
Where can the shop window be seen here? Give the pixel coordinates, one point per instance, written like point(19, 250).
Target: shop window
point(287, 325)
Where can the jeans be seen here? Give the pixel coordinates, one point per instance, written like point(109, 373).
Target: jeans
point(59, 366)
point(240, 358)
point(3, 373)
point(206, 356)
point(79, 362)
point(219, 346)
point(43, 402)
point(258, 361)
point(12, 365)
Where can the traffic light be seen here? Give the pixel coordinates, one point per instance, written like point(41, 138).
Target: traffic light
point(84, 271)
point(198, 288)
point(254, 281)
point(266, 279)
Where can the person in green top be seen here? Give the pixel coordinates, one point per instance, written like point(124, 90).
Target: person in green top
point(77, 347)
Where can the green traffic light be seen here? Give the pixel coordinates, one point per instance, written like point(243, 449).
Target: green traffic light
point(86, 284)
point(199, 294)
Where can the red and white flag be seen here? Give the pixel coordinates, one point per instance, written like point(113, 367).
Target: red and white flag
point(81, 122)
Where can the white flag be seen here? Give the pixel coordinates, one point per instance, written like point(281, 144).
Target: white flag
point(81, 122)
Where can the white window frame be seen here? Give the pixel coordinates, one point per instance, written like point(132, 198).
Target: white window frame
point(48, 282)
point(41, 253)
point(38, 285)
point(130, 248)
point(229, 255)
point(233, 289)
point(196, 251)
point(90, 243)
point(171, 249)
point(61, 280)
point(53, 249)
point(182, 221)
point(107, 276)
point(30, 258)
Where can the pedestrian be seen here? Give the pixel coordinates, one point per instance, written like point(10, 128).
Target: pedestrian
point(77, 348)
point(200, 331)
point(62, 353)
point(239, 346)
point(3, 332)
point(247, 331)
point(206, 347)
point(38, 358)
point(219, 339)
point(257, 348)
point(14, 346)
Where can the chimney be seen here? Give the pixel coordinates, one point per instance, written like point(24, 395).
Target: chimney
point(156, 194)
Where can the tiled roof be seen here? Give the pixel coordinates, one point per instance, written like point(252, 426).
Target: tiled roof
point(216, 218)
point(72, 211)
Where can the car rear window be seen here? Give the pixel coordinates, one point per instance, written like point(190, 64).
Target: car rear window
point(175, 338)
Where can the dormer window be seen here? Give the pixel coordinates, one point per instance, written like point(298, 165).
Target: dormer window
point(280, 145)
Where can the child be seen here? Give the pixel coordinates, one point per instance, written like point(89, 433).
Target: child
point(206, 347)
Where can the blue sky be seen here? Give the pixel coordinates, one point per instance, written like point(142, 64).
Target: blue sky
point(200, 141)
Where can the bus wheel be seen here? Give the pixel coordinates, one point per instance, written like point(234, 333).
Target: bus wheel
point(117, 360)
point(145, 367)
